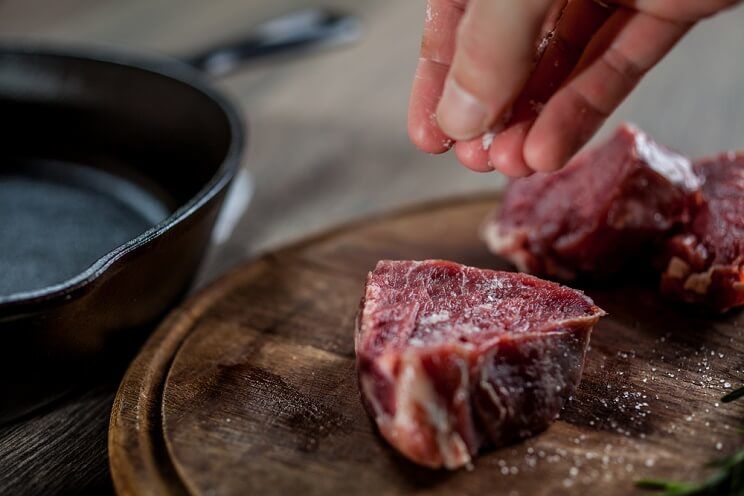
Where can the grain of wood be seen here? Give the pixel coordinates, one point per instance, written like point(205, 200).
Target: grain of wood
point(261, 394)
point(44, 454)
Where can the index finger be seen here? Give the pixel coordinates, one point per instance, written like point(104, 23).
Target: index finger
point(437, 50)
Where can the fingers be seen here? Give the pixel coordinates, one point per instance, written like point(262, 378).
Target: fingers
point(574, 29)
point(423, 129)
point(507, 147)
point(506, 150)
point(463, 86)
point(473, 154)
point(437, 50)
point(494, 56)
point(622, 51)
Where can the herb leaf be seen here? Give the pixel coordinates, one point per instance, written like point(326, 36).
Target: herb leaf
point(662, 485)
point(733, 395)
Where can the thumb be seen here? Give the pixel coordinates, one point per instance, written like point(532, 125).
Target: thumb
point(494, 55)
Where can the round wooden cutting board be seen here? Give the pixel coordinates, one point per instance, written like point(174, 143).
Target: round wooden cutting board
point(250, 388)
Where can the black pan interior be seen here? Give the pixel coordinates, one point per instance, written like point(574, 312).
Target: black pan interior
point(57, 218)
point(95, 153)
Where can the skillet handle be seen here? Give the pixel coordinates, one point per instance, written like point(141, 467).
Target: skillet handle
point(285, 34)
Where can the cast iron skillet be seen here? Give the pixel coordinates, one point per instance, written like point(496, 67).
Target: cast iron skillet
point(114, 168)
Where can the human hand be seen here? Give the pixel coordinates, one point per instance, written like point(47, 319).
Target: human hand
point(520, 85)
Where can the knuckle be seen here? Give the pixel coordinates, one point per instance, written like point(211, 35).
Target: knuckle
point(623, 66)
point(586, 104)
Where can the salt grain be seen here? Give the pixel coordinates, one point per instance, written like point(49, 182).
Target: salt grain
point(429, 13)
point(487, 140)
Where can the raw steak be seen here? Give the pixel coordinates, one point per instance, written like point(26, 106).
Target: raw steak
point(706, 263)
point(452, 357)
point(612, 205)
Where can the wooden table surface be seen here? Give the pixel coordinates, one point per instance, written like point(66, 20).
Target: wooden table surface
point(327, 144)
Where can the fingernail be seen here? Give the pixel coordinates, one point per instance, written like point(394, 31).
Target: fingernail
point(461, 115)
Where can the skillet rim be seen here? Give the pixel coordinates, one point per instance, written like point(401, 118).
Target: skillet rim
point(13, 304)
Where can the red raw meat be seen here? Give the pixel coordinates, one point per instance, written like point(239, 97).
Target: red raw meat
point(610, 206)
point(450, 357)
point(705, 264)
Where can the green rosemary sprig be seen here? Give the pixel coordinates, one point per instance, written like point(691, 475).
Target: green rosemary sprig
point(728, 481)
point(733, 395)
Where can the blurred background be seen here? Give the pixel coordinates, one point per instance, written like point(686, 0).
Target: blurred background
point(327, 144)
point(327, 130)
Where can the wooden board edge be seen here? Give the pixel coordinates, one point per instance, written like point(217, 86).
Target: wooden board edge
point(138, 457)
point(137, 454)
point(134, 435)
